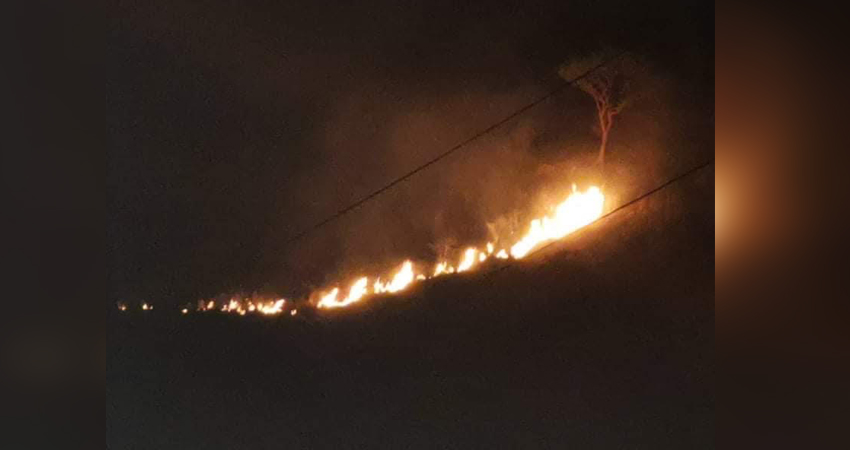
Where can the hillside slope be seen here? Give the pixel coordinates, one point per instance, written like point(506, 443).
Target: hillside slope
point(604, 340)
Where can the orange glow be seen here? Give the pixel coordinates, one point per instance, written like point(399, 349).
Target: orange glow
point(577, 210)
point(580, 208)
point(441, 268)
point(401, 280)
point(273, 308)
point(267, 307)
point(468, 260)
point(355, 293)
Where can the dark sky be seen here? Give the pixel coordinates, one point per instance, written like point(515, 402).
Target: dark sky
point(234, 125)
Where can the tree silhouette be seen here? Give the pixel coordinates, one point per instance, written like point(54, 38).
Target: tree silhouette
point(608, 82)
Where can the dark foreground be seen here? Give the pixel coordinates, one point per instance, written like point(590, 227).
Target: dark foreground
point(605, 341)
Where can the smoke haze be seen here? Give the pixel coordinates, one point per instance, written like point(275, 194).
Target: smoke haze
point(233, 127)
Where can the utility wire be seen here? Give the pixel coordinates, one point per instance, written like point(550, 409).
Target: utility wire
point(448, 152)
point(647, 194)
point(628, 204)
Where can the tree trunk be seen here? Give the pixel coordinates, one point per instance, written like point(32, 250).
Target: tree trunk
point(605, 121)
point(603, 145)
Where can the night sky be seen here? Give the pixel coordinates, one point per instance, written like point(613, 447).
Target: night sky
point(232, 126)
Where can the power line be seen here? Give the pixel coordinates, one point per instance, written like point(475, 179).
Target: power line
point(448, 152)
point(647, 194)
point(630, 203)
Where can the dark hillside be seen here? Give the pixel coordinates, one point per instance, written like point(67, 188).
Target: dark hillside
point(604, 340)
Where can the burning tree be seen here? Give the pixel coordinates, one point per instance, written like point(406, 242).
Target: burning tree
point(608, 82)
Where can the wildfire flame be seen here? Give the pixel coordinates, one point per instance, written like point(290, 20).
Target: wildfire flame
point(578, 210)
point(442, 268)
point(401, 280)
point(468, 260)
point(267, 307)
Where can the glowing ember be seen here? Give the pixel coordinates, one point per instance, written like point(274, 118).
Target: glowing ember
point(185, 311)
point(293, 312)
point(147, 307)
point(122, 307)
point(272, 309)
point(242, 307)
point(502, 254)
point(442, 268)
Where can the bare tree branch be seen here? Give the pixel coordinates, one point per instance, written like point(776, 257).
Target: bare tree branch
point(609, 87)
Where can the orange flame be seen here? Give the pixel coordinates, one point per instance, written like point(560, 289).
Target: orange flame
point(401, 280)
point(268, 307)
point(468, 260)
point(355, 293)
point(577, 210)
